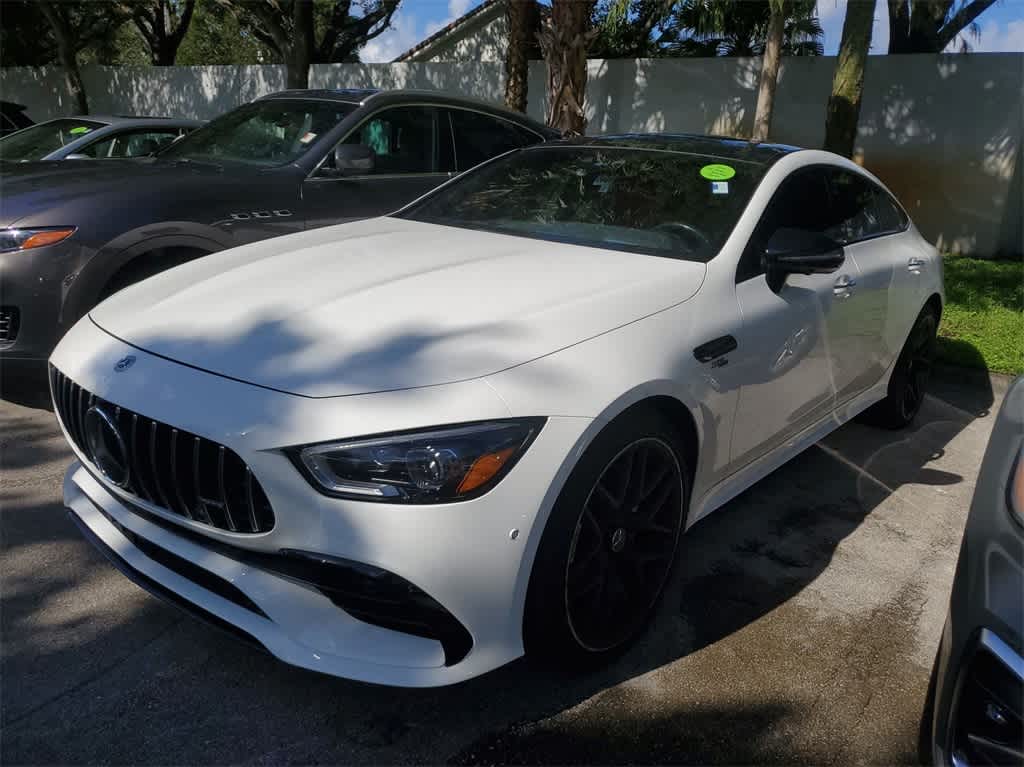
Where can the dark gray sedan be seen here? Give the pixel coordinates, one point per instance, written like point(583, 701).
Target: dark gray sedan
point(93, 138)
point(975, 710)
point(73, 233)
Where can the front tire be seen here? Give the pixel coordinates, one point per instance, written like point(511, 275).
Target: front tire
point(609, 545)
point(911, 373)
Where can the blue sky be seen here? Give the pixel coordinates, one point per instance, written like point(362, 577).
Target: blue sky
point(1001, 26)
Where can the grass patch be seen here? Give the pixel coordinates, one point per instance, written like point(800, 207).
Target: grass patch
point(983, 319)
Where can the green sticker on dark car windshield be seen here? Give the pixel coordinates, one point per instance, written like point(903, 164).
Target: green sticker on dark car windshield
point(79, 130)
point(717, 172)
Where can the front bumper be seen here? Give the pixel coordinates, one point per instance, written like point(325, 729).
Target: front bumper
point(33, 287)
point(462, 555)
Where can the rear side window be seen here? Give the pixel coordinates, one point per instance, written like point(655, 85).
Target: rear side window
point(133, 144)
point(479, 137)
point(800, 202)
point(860, 209)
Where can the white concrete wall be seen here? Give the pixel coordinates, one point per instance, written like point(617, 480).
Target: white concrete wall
point(944, 131)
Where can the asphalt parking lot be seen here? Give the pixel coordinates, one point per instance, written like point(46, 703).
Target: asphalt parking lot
point(799, 627)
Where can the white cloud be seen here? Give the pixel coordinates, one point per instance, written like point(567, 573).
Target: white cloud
point(1008, 37)
point(407, 29)
point(401, 36)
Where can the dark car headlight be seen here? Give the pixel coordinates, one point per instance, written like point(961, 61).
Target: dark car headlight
point(26, 239)
point(437, 465)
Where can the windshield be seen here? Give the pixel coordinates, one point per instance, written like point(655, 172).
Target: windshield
point(40, 140)
point(272, 132)
point(642, 200)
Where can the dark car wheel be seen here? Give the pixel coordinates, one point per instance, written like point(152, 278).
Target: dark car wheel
point(909, 382)
point(609, 544)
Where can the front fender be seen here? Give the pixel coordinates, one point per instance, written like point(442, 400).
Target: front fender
point(82, 289)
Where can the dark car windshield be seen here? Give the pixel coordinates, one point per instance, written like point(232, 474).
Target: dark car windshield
point(40, 140)
point(272, 132)
point(650, 201)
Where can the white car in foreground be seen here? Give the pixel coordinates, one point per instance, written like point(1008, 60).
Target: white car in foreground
point(408, 449)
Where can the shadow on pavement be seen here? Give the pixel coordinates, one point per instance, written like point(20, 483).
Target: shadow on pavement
point(96, 671)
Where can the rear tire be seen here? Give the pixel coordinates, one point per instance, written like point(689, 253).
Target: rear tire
point(609, 544)
point(909, 381)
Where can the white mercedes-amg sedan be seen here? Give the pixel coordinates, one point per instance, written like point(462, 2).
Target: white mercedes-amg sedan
point(410, 449)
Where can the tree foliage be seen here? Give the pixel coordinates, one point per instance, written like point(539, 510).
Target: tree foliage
point(218, 36)
point(162, 24)
point(730, 28)
point(303, 32)
point(928, 26)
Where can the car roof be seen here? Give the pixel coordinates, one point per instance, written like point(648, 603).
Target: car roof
point(360, 96)
point(736, 150)
point(138, 121)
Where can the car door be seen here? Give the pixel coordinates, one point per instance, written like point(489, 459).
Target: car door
point(870, 225)
point(479, 137)
point(788, 337)
point(412, 154)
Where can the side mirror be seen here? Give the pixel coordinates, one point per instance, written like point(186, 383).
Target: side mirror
point(353, 159)
point(797, 251)
point(77, 156)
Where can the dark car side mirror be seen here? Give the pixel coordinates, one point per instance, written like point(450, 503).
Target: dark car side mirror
point(353, 159)
point(797, 251)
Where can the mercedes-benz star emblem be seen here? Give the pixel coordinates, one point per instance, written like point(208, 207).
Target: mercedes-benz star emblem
point(106, 445)
point(124, 363)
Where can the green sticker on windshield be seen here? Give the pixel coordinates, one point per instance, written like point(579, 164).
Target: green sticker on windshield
point(717, 172)
point(79, 130)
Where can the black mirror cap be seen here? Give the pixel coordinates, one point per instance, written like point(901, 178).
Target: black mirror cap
point(797, 251)
point(354, 159)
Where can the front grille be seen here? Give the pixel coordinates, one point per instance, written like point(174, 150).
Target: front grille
point(10, 319)
point(173, 469)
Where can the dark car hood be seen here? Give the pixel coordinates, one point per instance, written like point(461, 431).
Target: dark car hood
point(37, 187)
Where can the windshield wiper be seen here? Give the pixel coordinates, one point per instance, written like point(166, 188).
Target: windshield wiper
point(190, 161)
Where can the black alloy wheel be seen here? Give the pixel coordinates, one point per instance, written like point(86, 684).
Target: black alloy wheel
point(920, 356)
point(624, 544)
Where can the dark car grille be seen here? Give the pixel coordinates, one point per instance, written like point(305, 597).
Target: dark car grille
point(180, 472)
point(10, 318)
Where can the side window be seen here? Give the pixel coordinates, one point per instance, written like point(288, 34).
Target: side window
point(800, 202)
point(479, 137)
point(136, 144)
point(404, 140)
point(860, 209)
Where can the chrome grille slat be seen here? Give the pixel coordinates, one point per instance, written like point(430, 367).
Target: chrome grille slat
point(248, 500)
point(223, 492)
point(134, 448)
point(174, 475)
point(196, 479)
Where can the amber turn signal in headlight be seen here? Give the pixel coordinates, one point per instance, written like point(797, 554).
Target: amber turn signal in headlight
point(25, 239)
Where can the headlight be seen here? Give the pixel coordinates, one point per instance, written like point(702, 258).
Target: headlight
point(24, 239)
point(1015, 491)
point(449, 463)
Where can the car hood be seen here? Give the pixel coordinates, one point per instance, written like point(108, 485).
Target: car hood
point(32, 188)
point(388, 304)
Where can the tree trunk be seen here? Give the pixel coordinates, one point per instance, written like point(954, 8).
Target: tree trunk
point(769, 72)
point(564, 41)
point(67, 55)
point(523, 18)
point(301, 53)
point(848, 80)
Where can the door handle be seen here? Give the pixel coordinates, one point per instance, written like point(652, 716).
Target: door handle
point(916, 265)
point(844, 285)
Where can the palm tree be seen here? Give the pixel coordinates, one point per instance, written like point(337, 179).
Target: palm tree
point(729, 28)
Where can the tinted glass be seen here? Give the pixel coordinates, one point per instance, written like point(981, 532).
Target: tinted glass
point(479, 137)
point(272, 132)
point(860, 209)
point(38, 141)
point(135, 144)
point(654, 202)
point(800, 202)
point(402, 139)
